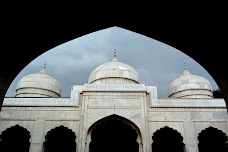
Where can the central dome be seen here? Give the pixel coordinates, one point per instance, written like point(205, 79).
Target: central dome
point(114, 72)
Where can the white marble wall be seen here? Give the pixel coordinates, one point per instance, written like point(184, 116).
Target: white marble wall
point(189, 122)
point(98, 105)
point(136, 102)
point(39, 120)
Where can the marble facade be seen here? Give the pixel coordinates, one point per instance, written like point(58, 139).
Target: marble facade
point(137, 103)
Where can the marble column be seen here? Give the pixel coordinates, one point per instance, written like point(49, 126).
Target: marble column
point(140, 144)
point(37, 136)
point(87, 143)
point(190, 137)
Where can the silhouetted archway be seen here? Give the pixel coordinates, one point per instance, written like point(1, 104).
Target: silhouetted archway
point(113, 134)
point(212, 140)
point(60, 139)
point(15, 138)
point(195, 42)
point(167, 139)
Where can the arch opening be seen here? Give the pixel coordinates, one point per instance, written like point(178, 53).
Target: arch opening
point(212, 140)
point(15, 138)
point(12, 69)
point(167, 139)
point(112, 134)
point(60, 139)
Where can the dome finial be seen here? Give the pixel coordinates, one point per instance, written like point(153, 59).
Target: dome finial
point(114, 56)
point(185, 69)
point(114, 53)
point(44, 64)
point(43, 70)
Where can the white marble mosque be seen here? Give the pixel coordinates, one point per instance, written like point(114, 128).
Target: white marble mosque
point(113, 112)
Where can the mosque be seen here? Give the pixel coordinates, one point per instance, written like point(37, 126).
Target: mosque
point(113, 112)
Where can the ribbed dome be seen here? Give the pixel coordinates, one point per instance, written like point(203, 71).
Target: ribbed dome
point(38, 85)
point(114, 72)
point(190, 86)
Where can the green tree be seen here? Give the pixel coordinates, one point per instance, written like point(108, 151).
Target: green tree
point(217, 94)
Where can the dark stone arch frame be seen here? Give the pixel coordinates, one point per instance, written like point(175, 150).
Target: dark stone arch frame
point(197, 42)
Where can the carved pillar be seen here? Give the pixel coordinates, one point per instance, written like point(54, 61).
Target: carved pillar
point(82, 130)
point(140, 147)
point(37, 136)
point(88, 140)
point(190, 137)
point(140, 144)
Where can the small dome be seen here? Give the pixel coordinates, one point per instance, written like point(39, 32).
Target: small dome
point(38, 85)
point(190, 86)
point(114, 72)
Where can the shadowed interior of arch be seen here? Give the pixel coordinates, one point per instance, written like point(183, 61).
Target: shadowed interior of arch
point(167, 139)
point(113, 134)
point(212, 140)
point(15, 138)
point(60, 139)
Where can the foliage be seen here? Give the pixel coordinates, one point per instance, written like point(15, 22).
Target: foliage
point(217, 93)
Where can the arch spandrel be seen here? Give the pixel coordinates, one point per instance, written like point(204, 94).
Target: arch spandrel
point(9, 132)
point(114, 129)
point(49, 126)
point(15, 138)
point(167, 139)
point(29, 125)
point(212, 131)
point(92, 122)
point(212, 139)
point(59, 139)
point(177, 127)
point(219, 126)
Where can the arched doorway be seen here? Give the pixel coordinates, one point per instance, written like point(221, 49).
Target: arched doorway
point(112, 134)
point(15, 138)
point(60, 139)
point(167, 139)
point(212, 140)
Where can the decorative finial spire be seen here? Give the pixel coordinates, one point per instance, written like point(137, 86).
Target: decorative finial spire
point(185, 69)
point(115, 53)
point(114, 57)
point(43, 70)
point(44, 64)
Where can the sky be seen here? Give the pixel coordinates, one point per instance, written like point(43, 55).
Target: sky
point(71, 63)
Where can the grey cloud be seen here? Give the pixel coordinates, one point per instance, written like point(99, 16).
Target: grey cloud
point(71, 63)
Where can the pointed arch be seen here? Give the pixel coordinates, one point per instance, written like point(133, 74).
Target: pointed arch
point(125, 120)
point(114, 133)
point(182, 40)
point(167, 139)
point(15, 138)
point(60, 139)
point(212, 140)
